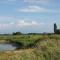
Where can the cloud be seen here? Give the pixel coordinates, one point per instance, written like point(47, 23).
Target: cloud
point(20, 24)
point(25, 23)
point(10, 23)
point(36, 9)
point(11, 0)
point(32, 9)
point(7, 20)
point(7, 1)
point(36, 1)
point(5, 17)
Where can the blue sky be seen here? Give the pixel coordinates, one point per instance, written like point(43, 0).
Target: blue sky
point(29, 15)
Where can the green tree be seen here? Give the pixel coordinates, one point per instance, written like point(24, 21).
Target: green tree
point(17, 33)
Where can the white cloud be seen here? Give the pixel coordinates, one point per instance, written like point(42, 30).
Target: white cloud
point(11, 0)
point(36, 1)
point(8, 1)
point(6, 26)
point(25, 23)
point(36, 9)
point(32, 9)
point(5, 17)
point(20, 24)
point(7, 22)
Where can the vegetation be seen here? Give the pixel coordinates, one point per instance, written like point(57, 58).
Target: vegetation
point(35, 47)
point(17, 33)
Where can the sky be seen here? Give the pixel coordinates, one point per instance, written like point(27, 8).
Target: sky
point(29, 16)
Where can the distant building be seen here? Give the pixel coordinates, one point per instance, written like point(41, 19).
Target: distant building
point(56, 31)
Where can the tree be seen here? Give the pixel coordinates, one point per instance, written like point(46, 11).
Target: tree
point(58, 31)
point(17, 33)
point(55, 28)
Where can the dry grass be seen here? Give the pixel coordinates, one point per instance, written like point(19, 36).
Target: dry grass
point(46, 49)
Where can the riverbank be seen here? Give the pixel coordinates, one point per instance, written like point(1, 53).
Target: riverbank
point(45, 50)
point(26, 41)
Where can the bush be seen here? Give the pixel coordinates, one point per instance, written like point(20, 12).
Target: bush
point(17, 33)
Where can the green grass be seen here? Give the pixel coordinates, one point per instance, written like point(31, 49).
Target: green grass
point(47, 47)
point(25, 40)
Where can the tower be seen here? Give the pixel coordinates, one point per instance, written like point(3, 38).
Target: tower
point(55, 28)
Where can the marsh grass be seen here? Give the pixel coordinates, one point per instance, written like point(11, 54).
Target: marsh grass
point(46, 47)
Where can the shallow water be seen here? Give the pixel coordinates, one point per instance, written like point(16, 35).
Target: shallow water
point(4, 47)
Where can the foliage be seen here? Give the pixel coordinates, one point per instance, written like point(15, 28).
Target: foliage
point(17, 33)
point(46, 47)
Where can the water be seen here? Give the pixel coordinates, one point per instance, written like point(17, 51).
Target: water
point(5, 47)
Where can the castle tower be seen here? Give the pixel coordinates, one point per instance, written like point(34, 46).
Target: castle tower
point(55, 27)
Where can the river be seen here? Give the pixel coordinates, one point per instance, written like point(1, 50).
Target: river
point(6, 46)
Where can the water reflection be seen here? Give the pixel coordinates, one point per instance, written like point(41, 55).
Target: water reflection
point(6, 46)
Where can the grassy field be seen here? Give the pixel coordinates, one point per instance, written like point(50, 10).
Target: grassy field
point(24, 40)
point(46, 47)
